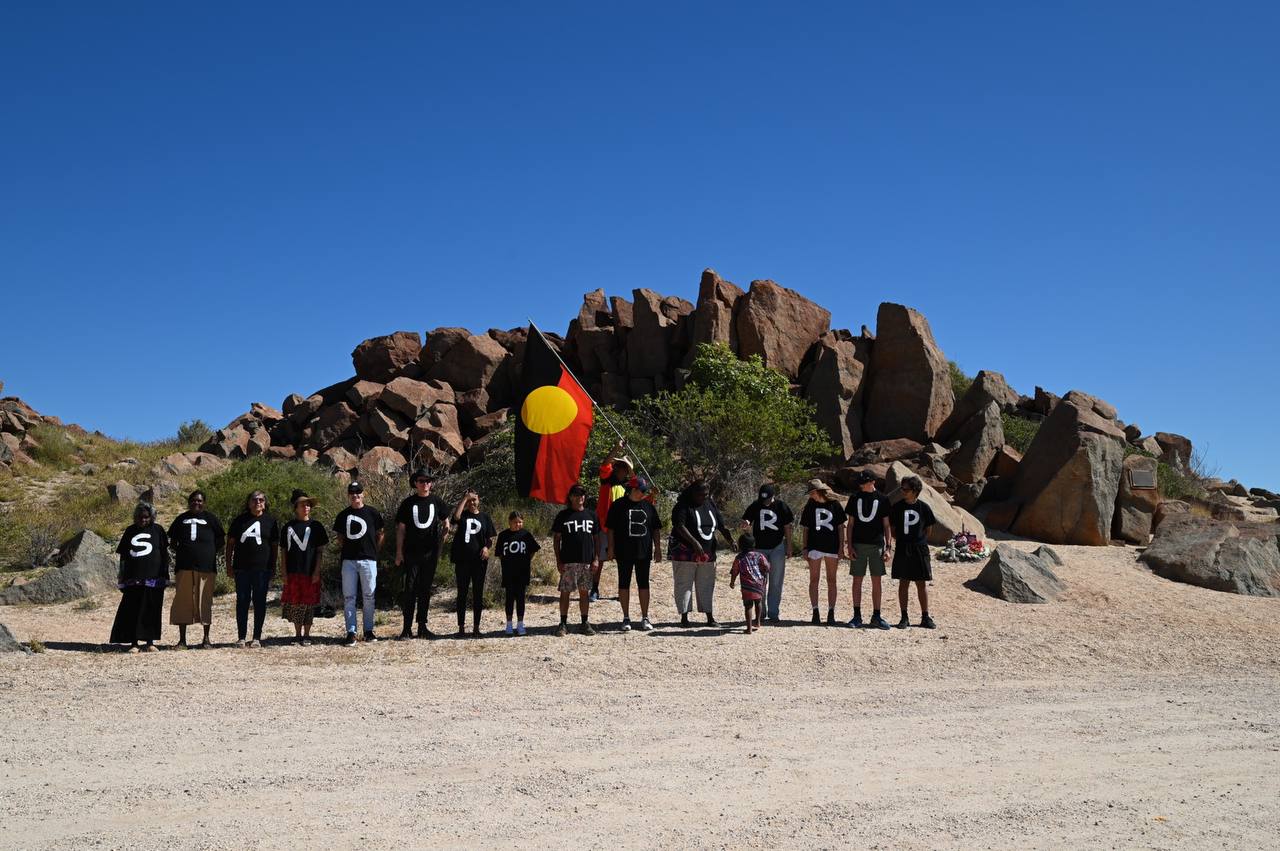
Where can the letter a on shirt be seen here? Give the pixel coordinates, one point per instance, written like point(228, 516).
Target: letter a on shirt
point(254, 531)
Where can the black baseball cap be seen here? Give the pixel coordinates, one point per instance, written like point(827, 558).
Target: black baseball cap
point(577, 488)
point(355, 487)
point(421, 474)
point(865, 476)
point(767, 492)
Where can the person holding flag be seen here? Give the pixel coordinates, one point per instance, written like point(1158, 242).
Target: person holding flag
point(615, 473)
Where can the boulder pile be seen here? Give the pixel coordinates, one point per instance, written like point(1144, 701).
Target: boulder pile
point(886, 399)
point(17, 422)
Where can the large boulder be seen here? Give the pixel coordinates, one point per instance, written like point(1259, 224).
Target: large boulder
point(381, 461)
point(470, 362)
point(228, 443)
point(835, 385)
point(980, 441)
point(779, 325)
point(389, 427)
point(363, 394)
point(713, 316)
point(1018, 577)
point(1069, 477)
point(880, 451)
point(339, 459)
point(1135, 507)
point(122, 492)
point(332, 424)
point(381, 358)
point(412, 398)
point(1175, 450)
point(439, 427)
point(651, 340)
point(951, 519)
point(84, 565)
point(1240, 558)
point(9, 644)
point(910, 393)
point(987, 387)
point(438, 344)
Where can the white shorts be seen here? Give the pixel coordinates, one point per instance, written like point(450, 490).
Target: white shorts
point(813, 555)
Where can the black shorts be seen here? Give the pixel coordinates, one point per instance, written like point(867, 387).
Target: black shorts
point(641, 568)
point(911, 563)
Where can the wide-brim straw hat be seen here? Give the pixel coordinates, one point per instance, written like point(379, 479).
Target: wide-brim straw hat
point(820, 486)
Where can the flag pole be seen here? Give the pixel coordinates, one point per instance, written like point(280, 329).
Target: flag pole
point(594, 403)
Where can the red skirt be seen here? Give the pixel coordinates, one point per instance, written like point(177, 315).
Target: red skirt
point(300, 590)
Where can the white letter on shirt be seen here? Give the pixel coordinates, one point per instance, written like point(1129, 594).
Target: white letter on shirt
point(910, 517)
point(472, 528)
point(142, 544)
point(431, 517)
point(352, 522)
point(292, 536)
point(254, 531)
point(193, 522)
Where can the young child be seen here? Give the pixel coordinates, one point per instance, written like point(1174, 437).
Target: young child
point(515, 550)
point(910, 519)
point(752, 566)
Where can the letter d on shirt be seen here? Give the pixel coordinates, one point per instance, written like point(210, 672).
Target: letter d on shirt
point(356, 527)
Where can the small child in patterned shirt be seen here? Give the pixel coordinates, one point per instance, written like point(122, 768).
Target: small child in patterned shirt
point(751, 566)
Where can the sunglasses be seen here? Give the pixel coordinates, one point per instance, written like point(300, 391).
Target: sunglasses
point(258, 499)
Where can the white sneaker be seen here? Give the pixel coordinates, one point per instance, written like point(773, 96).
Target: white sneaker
point(645, 625)
point(507, 631)
point(520, 629)
point(626, 626)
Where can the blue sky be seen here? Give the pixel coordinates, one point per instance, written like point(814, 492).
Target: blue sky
point(209, 204)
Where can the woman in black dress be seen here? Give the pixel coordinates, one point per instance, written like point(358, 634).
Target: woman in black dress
point(143, 575)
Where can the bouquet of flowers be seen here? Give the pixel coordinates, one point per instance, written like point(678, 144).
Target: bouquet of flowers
point(965, 546)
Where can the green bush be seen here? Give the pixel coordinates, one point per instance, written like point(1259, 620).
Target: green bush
point(960, 382)
point(193, 433)
point(1018, 432)
point(227, 490)
point(54, 447)
point(734, 423)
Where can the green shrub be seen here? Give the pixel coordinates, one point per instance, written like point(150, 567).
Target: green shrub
point(1018, 432)
point(193, 433)
point(734, 423)
point(54, 447)
point(227, 490)
point(960, 382)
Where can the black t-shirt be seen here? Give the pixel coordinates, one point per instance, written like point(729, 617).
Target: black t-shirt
point(768, 522)
point(423, 518)
point(358, 529)
point(633, 524)
point(701, 521)
point(823, 520)
point(144, 553)
point(866, 511)
point(577, 531)
point(516, 549)
point(196, 537)
point(911, 523)
point(254, 541)
point(303, 542)
point(475, 532)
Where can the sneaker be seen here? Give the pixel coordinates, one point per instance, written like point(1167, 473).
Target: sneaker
point(351, 640)
point(904, 623)
point(712, 621)
point(370, 637)
point(404, 635)
point(239, 642)
point(856, 621)
point(181, 645)
point(588, 629)
point(595, 597)
point(151, 648)
point(626, 625)
point(645, 625)
point(475, 632)
point(206, 644)
point(562, 630)
point(423, 632)
point(684, 619)
point(519, 629)
point(306, 642)
point(878, 622)
point(508, 629)
point(255, 643)
point(926, 622)
point(133, 649)
point(817, 619)
point(831, 617)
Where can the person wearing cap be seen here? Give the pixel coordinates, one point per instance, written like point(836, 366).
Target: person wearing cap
point(615, 472)
point(252, 539)
point(360, 532)
point(870, 543)
point(695, 519)
point(634, 533)
point(302, 551)
point(422, 521)
point(196, 537)
point(770, 520)
point(823, 522)
point(575, 532)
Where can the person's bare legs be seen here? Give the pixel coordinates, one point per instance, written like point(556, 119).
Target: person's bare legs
point(832, 565)
point(759, 607)
point(624, 597)
point(922, 593)
point(903, 587)
point(584, 604)
point(644, 602)
point(857, 591)
point(564, 606)
point(875, 590)
point(746, 610)
point(182, 635)
point(814, 566)
point(205, 641)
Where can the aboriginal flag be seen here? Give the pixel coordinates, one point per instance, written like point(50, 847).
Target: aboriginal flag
point(553, 426)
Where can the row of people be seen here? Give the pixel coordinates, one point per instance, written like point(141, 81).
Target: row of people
point(630, 534)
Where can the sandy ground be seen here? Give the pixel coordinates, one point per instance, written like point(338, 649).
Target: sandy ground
point(1136, 713)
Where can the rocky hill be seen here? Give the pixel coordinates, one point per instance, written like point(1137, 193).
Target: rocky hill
point(886, 398)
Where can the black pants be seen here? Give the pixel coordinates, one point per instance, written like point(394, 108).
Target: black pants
point(251, 585)
point(138, 616)
point(419, 575)
point(515, 601)
point(641, 568)
point(470, 575)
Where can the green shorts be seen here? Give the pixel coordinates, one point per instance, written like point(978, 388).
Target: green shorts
point(867, 557)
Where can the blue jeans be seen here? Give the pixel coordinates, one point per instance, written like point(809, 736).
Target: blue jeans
point(777, 570)
point(365, 572)
point(251, 585)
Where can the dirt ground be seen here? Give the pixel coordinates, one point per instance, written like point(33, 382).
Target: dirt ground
point(1135, 713)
